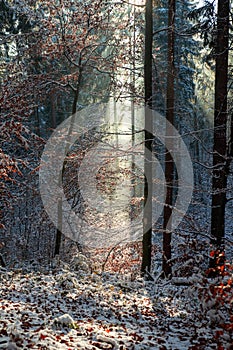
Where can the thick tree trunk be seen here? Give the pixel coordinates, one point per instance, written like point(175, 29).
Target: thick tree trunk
point(220, 163)
point(169, 164)
point(147, 219)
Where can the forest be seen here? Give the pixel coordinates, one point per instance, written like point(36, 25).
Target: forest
point(116, 174)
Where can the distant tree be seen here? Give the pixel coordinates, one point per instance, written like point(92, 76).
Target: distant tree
point(65, 56)
point(15, 101)
point(89, 49)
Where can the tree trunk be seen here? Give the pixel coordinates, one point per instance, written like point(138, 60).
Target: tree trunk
point(220, 162)
point(147, 216)
point(59, 204)
point(2, 261)
point(169, 164)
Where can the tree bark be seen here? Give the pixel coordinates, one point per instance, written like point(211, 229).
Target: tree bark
point(147, 216)
point(220, 162)
point(2, 261)
point(169, 164)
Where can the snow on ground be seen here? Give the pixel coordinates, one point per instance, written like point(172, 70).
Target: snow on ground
point(63, 309)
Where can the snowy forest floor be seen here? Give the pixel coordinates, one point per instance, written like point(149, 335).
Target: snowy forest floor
point(63, 309)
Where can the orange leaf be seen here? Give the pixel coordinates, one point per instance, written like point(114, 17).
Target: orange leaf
point(222, 268)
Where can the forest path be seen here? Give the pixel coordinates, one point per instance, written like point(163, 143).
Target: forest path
point(101, 312)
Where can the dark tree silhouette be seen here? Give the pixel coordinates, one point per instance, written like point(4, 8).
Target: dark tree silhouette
point(220, 161)
point(147, 219)
point(169, 164)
